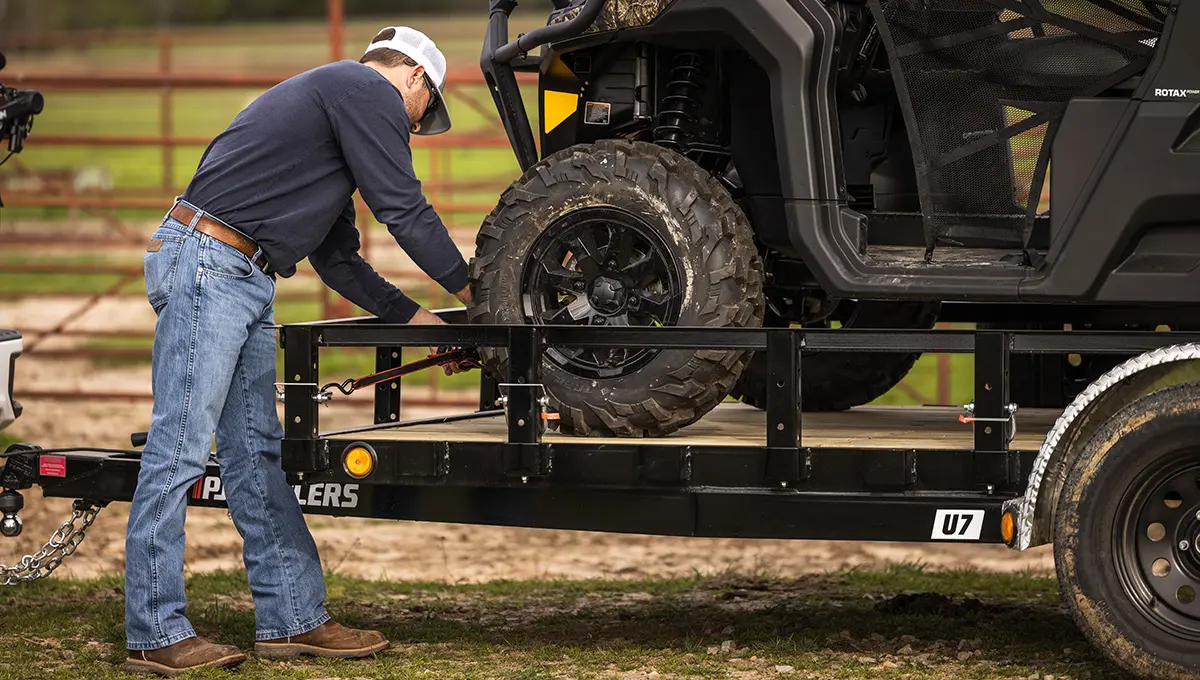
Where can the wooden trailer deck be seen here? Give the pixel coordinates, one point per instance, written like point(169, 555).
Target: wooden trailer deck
point(735, 424)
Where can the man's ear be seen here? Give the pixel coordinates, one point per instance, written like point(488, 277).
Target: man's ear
point(414, 76)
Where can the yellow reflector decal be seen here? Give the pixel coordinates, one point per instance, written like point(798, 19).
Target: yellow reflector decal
point(558, 69)
point(358, 462)
point(557, 107)
point(1008, 527)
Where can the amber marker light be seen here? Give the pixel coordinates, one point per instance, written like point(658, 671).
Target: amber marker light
point(358, 460)
point(1008, 527)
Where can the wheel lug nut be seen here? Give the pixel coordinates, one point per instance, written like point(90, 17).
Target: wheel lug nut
point(1184, 545)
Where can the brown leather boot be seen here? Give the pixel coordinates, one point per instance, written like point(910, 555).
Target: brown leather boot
point(185, 655)
point(328, 639)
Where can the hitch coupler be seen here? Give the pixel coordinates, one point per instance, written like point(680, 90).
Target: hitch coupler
point(11, 503)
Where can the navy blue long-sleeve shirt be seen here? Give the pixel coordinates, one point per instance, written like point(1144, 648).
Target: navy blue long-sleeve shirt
point(285, 169)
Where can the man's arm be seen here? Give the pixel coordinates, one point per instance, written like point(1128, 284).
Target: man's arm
point(338, 263)
point(371, 126)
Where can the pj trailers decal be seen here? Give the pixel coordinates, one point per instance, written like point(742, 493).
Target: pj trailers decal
point(324, 495)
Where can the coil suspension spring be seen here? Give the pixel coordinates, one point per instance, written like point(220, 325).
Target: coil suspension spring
point(674, 122)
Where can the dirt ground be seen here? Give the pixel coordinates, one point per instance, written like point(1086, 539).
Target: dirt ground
point(424, 551)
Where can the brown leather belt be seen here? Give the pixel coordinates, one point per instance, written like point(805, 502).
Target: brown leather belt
point(230, 237)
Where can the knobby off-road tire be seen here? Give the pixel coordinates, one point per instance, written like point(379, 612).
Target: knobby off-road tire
point(701, 233)
point(836, 381)
point(1131, 498)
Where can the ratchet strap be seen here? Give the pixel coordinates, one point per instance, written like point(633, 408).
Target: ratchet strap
point(463, 359)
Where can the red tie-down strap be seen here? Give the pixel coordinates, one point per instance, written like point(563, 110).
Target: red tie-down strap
point(462, 359)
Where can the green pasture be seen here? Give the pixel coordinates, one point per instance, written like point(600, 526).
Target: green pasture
point(902, 622)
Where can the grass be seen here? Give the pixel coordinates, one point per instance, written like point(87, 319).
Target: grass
point(923, 380)
point(854, 624)
point(7, 439)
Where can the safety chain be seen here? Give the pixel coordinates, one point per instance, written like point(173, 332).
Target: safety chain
point(61, 545)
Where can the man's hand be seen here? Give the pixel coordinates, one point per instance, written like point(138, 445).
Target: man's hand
point(464, 295)
point(424, 317)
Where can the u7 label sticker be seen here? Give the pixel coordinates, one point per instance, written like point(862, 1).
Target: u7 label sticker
point(957, 525)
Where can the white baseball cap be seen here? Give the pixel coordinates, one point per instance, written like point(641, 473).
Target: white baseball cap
point(421, 49)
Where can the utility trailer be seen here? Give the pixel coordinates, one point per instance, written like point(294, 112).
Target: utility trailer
point(874, 186)
point(1113, 480)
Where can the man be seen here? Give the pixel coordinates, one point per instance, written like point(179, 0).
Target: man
point(271, 190)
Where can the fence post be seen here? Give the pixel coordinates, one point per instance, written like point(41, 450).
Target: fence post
point(167, 113)
point(336, 13)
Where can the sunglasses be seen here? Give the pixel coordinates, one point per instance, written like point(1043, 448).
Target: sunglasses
point(433, 98)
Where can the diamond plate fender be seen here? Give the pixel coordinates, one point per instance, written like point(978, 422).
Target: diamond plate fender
point(1137, 377)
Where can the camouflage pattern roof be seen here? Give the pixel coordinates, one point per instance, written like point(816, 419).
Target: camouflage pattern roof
point(618, 14)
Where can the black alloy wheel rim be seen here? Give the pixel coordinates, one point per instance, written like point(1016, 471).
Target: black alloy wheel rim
point(1154, 540)
point(601, 266)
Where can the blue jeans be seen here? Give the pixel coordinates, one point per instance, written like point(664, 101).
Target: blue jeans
point(214, 371)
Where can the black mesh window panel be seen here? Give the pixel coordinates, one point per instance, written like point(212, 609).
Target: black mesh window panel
point(984, 84)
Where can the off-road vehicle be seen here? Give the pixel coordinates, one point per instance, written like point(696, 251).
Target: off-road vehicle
point(874, 164)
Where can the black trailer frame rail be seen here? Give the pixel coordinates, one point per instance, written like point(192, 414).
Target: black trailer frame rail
point(783, 489)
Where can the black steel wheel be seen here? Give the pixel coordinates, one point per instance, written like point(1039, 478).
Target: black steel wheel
point(620, 233)
point(1126, 528)
point(601, 266)
point(1158, 561)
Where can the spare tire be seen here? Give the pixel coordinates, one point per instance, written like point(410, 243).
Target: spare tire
point(837, 381)
point(620, 233)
